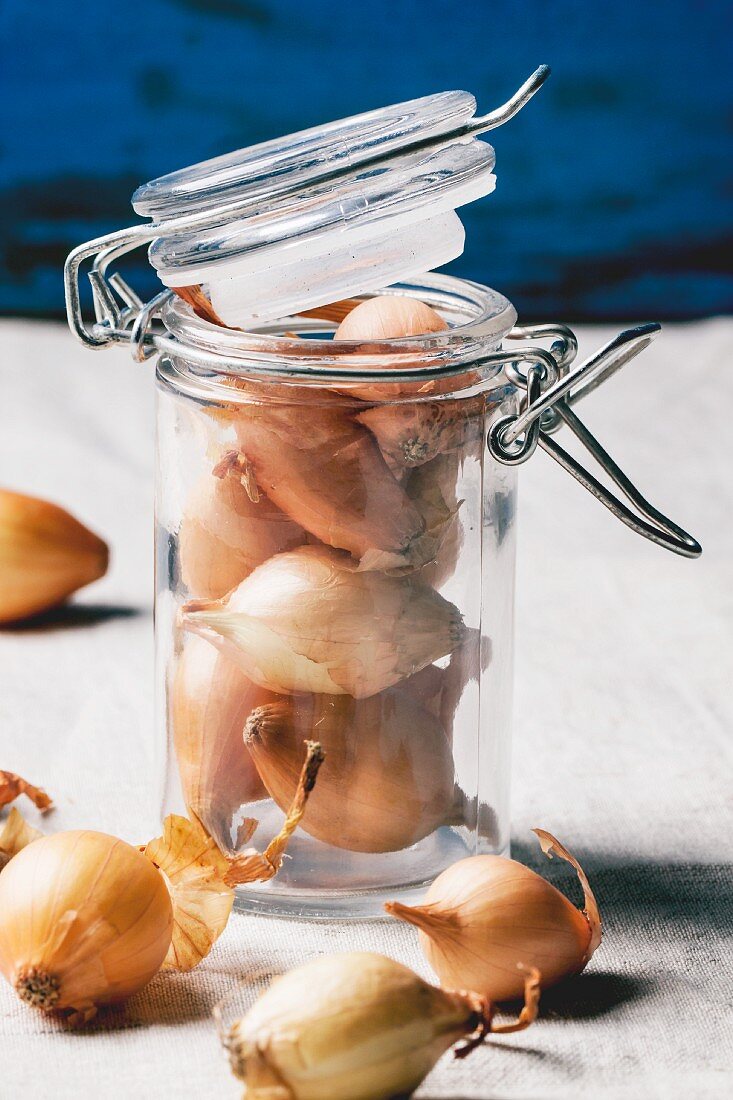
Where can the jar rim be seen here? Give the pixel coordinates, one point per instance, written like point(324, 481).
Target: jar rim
point(479, 318)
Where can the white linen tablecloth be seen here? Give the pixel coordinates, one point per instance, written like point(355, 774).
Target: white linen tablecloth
point(624, 717)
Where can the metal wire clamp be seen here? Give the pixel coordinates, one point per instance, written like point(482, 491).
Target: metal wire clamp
point(512, 439)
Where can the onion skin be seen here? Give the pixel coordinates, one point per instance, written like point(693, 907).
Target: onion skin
point(308, 621)
point(327, 473)
point(433, 490)
point(412, 433)
point(12, 786)
point(224, 535)
point(426, 688)
point(387, 780)
point(210, 700)
point(15, 835)
point(45, 555)
point(485, 914)
point(85, 920)
point(354, 1026)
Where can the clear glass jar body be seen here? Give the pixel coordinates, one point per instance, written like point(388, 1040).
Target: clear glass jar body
point(336, 563)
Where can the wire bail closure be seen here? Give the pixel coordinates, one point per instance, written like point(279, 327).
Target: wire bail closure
point(513, 439)
point(551, 387)
point(551, 390)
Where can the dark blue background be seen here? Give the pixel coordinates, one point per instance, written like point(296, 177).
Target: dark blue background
point(615, 184)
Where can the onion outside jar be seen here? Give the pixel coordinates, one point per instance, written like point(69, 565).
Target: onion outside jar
point(379, 523)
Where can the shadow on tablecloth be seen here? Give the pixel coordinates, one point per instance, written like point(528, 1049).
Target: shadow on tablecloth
point(74, 615)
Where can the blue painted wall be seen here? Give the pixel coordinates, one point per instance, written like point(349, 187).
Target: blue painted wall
point(615, 185)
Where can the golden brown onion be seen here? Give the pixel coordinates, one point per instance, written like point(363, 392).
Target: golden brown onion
point(485, 914)
point(45, 555)
point(387, 780)
point(85, 920)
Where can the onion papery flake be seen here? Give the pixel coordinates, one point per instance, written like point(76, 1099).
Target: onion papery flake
point(12, 786)
point(15, 835)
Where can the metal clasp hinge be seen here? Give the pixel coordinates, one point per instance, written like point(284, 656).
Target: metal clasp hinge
point(513, 439)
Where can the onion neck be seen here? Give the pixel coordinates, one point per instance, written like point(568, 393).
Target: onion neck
point(431, 920)
point(37, 987)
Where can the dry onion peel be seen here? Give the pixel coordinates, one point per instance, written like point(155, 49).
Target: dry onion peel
point(194, 870)
point(15, 835)
point(552, 847)
point(261, 866)
point(334, 311)
point(235, 464)
point(486, 913)
point(308, 621)
point(201, 878)
point(12, 786)
point(200, 304)
point(357, 1025)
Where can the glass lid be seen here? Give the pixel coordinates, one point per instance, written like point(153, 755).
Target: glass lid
point(403, 190)
point(304, 157)
point(326, 213)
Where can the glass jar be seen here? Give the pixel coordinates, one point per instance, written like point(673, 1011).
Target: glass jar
point(336, 564)
point(335, 520)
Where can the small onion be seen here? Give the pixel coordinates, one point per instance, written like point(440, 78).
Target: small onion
point(357, 1026)
point(485, 913)
point(85, 920)
point(309, 621)
point(327, 473)
point(374, 326)
point(225, 534)
point(45, 555)
point(210, 700)
point(387, 780)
